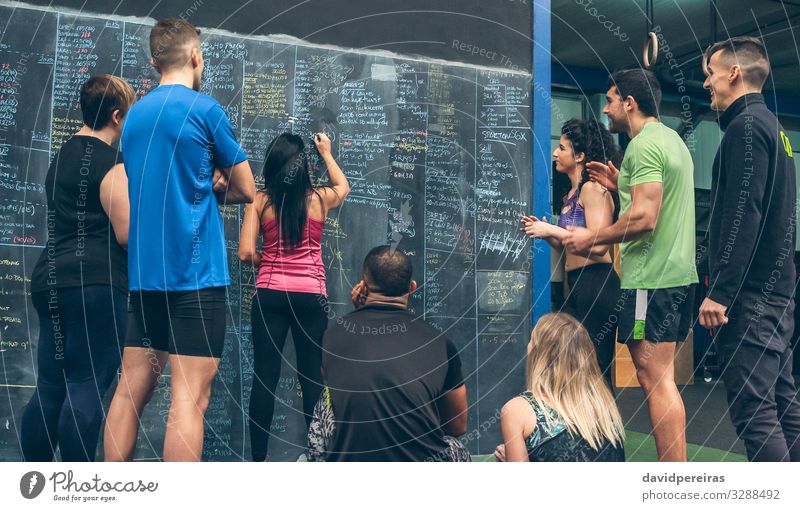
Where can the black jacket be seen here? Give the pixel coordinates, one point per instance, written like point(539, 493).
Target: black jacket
point(752, 224)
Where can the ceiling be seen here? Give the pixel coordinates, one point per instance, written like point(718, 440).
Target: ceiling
point(608, 34)
point(601, 35)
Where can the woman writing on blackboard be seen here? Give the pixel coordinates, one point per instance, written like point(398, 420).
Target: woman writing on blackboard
point(79, 285)
point(593, 283)
point(289, 213)
point(565, 413)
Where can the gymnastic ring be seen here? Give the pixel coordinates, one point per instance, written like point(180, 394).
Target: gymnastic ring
point(650, 57)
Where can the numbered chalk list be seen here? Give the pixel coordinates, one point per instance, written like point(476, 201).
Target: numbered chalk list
point(439, 161)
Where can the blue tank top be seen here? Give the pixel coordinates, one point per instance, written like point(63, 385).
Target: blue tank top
point(575, 216)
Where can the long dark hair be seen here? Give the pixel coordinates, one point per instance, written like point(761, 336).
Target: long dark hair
point(287, 183)
point(594, 140)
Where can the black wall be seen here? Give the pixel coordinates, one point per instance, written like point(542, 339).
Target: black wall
point(483, 32)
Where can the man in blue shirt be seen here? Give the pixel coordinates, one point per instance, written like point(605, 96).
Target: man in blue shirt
point(185, 160)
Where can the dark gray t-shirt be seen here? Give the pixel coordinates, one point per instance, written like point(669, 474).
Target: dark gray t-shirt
point(386, 370)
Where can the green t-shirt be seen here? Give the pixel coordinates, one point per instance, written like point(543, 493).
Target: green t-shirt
point(664, 257)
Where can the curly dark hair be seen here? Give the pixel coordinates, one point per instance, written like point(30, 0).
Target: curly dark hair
point(593, 139)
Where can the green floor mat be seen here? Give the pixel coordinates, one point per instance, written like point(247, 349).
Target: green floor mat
point(642, 447)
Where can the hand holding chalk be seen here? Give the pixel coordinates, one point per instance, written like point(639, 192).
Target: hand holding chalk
point(323, 144)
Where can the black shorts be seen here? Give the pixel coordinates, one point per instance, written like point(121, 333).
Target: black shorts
point(656, 315)
point(180, 322)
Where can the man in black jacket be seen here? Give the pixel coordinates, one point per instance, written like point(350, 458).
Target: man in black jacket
point(751, 244)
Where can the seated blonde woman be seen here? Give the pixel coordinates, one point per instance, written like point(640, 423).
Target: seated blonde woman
point(567, 412)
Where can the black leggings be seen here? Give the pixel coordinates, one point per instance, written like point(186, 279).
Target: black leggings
point(81, 331)
point(593, 294)
point(273, 313)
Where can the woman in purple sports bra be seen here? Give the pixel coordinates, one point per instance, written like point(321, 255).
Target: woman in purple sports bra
point(289, 214)
point(593, 283)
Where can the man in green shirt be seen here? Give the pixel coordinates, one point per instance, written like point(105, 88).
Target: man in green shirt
point(656, 232)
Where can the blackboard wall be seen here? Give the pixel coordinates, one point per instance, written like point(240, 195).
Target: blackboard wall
point(439, 159)
point(481, 32)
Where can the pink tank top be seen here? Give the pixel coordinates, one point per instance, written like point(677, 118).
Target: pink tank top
point(298, 269)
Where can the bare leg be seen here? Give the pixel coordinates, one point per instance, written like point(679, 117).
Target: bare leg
point(655, 368)
point(191, 391)
point(141, 368)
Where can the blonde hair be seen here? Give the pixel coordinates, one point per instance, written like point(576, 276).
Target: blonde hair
point(562, 372)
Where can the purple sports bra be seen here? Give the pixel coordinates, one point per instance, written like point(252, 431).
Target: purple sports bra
point(575, 216)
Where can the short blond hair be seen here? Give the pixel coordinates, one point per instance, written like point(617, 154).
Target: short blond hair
point(168, 40)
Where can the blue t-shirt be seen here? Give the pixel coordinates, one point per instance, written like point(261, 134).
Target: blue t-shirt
point(175, 137)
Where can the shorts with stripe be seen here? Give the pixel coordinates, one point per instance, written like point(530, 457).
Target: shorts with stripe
point(655, 315)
